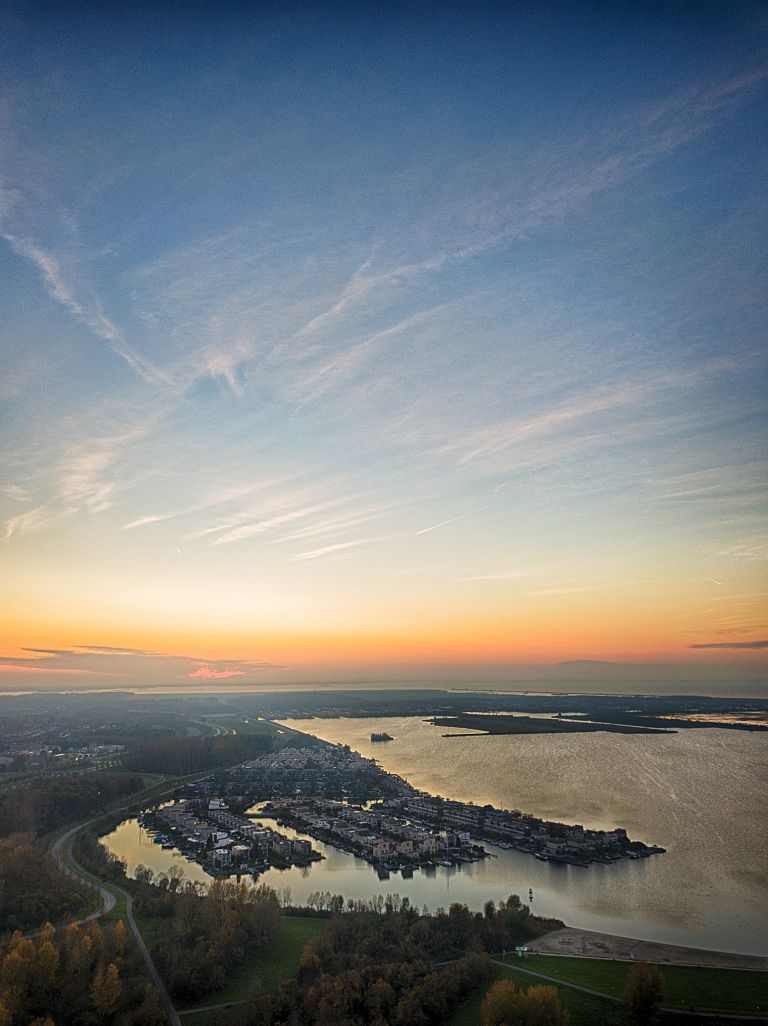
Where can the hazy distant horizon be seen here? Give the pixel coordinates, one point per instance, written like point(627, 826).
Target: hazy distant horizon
point(742, 688)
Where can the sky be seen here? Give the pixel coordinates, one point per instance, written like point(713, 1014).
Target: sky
point(380, 341)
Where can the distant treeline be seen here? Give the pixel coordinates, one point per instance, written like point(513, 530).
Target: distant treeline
point(48, 803)
point(182, 755)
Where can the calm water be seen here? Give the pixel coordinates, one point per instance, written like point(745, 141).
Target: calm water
point(699, 793)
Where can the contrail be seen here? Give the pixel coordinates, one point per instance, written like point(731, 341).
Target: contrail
point(444, 523)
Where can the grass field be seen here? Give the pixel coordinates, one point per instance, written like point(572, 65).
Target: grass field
point(253, 726)
point(583, 1009)
point(151, 928)
point(706, 990)
point(266, 971)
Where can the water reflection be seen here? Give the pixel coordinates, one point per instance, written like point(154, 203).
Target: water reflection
point(709, 891)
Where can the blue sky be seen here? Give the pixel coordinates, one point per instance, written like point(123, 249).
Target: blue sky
point(376, 339)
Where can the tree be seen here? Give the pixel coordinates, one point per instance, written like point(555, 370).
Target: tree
point(500, 1003)
point(176, 875)
point(106, 990)
point(118, 938)
point(542, 1008)
point(505, 1005)
point(643, 993)
point(143, 874)
point(47, 963)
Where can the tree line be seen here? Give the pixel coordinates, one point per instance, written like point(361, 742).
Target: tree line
point(183, 755)
point(206, 932)
point(207, 937)
point(44, 804)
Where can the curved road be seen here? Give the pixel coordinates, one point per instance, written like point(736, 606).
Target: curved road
point(64, 860)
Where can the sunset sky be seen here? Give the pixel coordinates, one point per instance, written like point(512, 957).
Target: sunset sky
point(382, 342)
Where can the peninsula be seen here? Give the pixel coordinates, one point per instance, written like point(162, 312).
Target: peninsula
point(512, 723)
point(338, 797)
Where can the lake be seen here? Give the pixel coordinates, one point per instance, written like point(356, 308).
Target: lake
point(699, 793)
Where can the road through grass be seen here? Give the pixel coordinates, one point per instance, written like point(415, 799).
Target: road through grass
point(583, 1009)
point(736, 991)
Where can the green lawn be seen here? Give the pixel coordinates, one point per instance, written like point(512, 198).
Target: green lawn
point(706, 990)
point(120, 909)
point(583, 1009)
point(281, 962)
point(151, 928)
point(266, 971)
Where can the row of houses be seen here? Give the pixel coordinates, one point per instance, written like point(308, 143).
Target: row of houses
point(514, 828)
point(374, 836)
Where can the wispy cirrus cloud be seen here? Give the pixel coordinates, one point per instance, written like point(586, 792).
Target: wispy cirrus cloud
point(212, 500)
point(88, 313)
point(206, 296)
point(32, 520)
point(91, 472)
point(580, 418)
point(289, 516)
point(327, 550)
point(753, 549)
point(76, 472)
point(345, 363)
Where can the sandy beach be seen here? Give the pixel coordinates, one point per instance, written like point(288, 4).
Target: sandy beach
point(590, 944)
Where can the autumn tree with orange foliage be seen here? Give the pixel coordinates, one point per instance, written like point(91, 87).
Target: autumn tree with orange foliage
point(82, 974)
point(643, 993)
point(506, 1005)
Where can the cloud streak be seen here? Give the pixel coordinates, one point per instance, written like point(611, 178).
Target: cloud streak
point(90, 315)
point(754, 646)
point(130, 664)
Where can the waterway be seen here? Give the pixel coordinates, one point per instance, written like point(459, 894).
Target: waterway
point(699, 793)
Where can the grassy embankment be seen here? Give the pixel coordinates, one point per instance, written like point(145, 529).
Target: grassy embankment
point(685, 987)
point(729, 991)
point(583, 1009)
point(264, 972)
